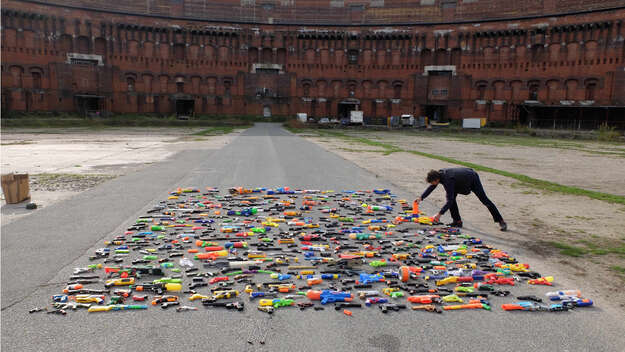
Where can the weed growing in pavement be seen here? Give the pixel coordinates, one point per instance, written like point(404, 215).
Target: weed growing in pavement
point(214, 131)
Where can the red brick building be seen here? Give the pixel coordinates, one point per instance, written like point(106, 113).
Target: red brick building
point(447, 59)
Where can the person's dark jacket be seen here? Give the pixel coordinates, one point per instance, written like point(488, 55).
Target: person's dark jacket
point(456, 181)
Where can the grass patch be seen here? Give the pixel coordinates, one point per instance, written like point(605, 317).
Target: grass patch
point(34, 120)
point(537, 142)
point(619, 269)
point(607, 133)
point(590, 248)
point(526, 180)
point(18, 143)
point(362, 150)
point(568, 250)
point(214, 131)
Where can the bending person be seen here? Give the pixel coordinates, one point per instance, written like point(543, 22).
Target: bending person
point(456, 181)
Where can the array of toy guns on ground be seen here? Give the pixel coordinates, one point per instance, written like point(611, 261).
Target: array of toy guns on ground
point(294, 248)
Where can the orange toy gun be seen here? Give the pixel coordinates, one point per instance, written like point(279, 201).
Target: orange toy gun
point(424, 299)
point(541, 281)
point(415, 207)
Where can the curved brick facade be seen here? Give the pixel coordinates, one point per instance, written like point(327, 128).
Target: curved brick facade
point(440, 58)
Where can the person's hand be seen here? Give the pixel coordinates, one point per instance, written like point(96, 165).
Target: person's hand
point(418, 200)
point(436, 217)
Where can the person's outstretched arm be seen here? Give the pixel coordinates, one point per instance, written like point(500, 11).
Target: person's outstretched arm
point(427, 192)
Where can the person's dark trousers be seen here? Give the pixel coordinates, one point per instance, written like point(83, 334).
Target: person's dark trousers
point(455, 213)
point(479, 192)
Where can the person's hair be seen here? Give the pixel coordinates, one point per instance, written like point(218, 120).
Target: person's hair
point(432, 176)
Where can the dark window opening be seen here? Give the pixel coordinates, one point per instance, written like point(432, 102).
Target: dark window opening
point(590, 91)
point(397, 92)
point(185, 108)
point(533, 92)
point(227, 85)
point(84, 62)
point(131, 84)
point(36, 80)
point(481, 92)
point(352, 57)
point(439, 73)
point(435, 112)
point(180, 87)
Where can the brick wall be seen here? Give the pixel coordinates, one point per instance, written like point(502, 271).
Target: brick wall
point(145, 64)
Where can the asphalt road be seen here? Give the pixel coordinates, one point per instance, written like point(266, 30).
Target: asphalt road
point(40, 251)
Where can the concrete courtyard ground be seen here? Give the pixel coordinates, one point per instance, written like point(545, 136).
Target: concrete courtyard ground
point(40, 250)
point(62, 162)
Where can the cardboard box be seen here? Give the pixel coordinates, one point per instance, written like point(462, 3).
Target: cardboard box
point(16, 188)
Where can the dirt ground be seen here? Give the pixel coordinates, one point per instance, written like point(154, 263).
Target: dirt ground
point(62, 162)
point(585, 164)
point(536, 219)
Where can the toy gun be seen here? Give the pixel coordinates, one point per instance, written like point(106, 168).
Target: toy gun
point(233, 305)
point(365, 294)
point(453, 280)
point(452, 298)
point(222, 295)
point(119, 282)
point(428, 307)
point(559, 295)
point(425, 299)
point(164, 299)
point(501, 281)
point(541, 281)
point(365, 236)
point(115, 307)
point(328, 296)
point(375, 300)
point(365, 278)
point(254, 295)
point(394, 307)
point(89, 298)
point(277, 303)
point(283, 288)
point(577, 302)
point(158, 288)
point(532, 306)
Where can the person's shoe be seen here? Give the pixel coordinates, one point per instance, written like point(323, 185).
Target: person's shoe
point(503, 226)
point(457, 224)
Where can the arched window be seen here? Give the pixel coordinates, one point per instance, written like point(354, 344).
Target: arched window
point(306, 87)
point(481, 91)
point(397, 91)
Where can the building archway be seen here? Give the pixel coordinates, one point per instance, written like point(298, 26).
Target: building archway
point(346, 106)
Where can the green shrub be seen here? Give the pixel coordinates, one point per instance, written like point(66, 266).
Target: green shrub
point(607, 133)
